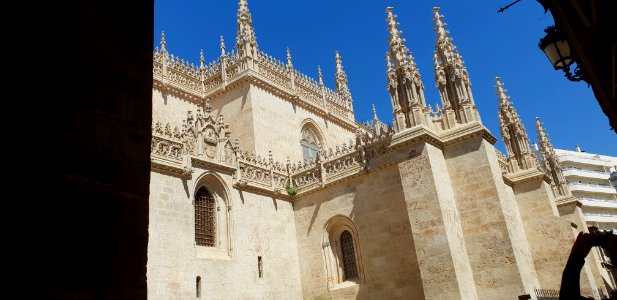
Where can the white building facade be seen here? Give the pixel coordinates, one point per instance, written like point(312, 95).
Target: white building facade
point(588, 175)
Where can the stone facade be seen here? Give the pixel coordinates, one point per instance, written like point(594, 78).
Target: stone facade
point(427, 209)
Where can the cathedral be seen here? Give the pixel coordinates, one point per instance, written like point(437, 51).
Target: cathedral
point(264, 186)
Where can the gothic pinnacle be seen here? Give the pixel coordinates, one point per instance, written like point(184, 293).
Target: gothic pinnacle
point(222, 46)
point(542, 136)
point(440, 27)
point(246, 43)
point(163, 42)
point(501, 92)
point(289, 64)
point(319, 75)
point(339, 64)
point(374, 113)
point(202, 61)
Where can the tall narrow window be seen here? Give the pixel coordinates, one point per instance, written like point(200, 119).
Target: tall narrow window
point(205, 218)
point(309, 144)
point(198, 287)
point(349, 256)
point(260, 267)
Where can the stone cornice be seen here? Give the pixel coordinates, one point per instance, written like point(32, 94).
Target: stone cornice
point(165, 166)
point(465, 132)
point(567, 201)
point(507, 181)
point(527, 175)
point(164, 85)
point(421, 133)
point(255, 189)
point(415, 135)
point(212, 165)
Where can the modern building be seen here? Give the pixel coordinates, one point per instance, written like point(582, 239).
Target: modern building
point(588, 177)
point(264, 186)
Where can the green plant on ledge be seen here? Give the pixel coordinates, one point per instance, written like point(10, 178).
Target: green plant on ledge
point(291, 190)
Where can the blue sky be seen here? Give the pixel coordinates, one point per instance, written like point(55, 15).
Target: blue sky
point(492, 44)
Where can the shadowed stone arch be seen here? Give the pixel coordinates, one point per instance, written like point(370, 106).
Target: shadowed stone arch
point(219, 190)
point(335, 228)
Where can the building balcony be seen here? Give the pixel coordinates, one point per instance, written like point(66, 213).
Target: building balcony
point(578, 172)
point(591, 202)
point(592, 188)
point(596, 161)
point(604, 218)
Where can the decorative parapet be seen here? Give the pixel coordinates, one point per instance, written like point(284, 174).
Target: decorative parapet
point(199, 83)
point(344, 161)
point(202, 141)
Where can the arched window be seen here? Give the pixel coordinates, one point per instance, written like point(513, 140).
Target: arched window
point(309, 143)
point(349, 256)
point(205, 218)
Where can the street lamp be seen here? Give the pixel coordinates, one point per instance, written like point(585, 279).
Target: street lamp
point(557, 49)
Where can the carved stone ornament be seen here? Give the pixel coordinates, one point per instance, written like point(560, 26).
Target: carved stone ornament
point(210, 150)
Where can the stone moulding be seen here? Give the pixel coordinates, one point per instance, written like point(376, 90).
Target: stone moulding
point(250, 187)
point(212, 165)
point(374, 148)
point(173, 168)
point(527, 175)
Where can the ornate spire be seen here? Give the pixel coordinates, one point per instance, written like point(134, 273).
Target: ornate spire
point(202, 60)
point(222, 46)
point(319, 75)
point(163, 42)
point(375, 113)
point(404, 81)
point(289, 64)
point(341, 82)
point(451, 75)
point(246, 43)
point(340, 73)
point(551, 163)
point(513, 132)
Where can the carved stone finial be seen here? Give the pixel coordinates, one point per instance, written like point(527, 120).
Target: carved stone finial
point(501, 92)
point(163, 42)
point(289, 64)
point(339, 64)
point(341, 82)
point(374, 113)
point(222, 46)
point(319, 75)
point(202, 61)
point(246, 43)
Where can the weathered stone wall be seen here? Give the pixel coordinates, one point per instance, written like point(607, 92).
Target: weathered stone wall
point(435, 223)
point(488, 218)
point(169, 108)
point(258, 226)
point(375, 202)
point(549, 236)
point(277, 126)
point(236, 106)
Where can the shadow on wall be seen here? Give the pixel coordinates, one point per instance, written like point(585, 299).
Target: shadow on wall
point(97, 225)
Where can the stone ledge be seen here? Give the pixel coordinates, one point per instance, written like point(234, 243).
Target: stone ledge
point(527, 175)
point(165, 166)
